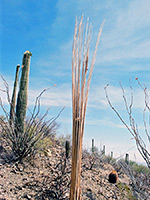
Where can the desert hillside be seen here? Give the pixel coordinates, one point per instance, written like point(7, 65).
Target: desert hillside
point(48, 177)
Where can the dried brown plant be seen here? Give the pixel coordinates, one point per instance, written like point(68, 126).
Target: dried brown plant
point(81, 79)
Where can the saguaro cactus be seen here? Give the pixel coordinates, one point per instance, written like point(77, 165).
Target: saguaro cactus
point(67, 147)
point(21, 106)
point(111, 154)
point(13, 100)
point(104, 150)
point(127, 158)
point(92, 145)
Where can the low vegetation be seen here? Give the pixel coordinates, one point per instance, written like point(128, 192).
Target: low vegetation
point(24, 136)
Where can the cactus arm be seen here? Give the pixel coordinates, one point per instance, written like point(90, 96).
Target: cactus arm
point(13, 100)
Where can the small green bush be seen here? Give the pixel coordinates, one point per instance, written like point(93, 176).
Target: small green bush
point(63, 138)
point(139, 168)
point(123, 187)
point(38, 135)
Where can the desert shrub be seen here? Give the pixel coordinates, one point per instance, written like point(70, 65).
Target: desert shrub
point(94, 149)
point(2, 118)
point(63, 138)
point(132, 125)
point(38, 135)
point(139, 168)
point(109, 159)
point(139, 182)
point(124, 187)
point(24, 137)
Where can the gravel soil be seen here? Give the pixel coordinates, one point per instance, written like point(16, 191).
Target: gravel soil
point(48, 177)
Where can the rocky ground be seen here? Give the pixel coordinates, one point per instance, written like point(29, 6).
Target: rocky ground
point(48, 177)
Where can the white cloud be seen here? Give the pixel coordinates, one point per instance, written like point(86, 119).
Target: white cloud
point(135, 17)
point(124, 37)
point(128, 36)
point(56, 96)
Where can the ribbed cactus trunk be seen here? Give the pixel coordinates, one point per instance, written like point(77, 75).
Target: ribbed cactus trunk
point(21, 106)
point(13, 100)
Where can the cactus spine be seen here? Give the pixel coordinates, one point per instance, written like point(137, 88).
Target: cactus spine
point(13, 100)
point(21, 106)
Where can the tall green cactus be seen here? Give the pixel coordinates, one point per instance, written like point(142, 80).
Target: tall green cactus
point(21, 106)
point(13, 100)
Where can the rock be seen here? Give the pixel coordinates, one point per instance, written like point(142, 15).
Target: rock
point(41, 172)
point(24, 179)
point(47, 152)
point(27, 196)
point(19, 187)
point(1, 148)
point(13, 171)
point(89, 190)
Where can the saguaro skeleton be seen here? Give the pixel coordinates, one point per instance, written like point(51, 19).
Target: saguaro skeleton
point(81, 78)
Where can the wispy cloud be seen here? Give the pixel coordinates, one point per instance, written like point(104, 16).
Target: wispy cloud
point(123, 40)
point(127, 39)
point(56, 96)
point(97, 98)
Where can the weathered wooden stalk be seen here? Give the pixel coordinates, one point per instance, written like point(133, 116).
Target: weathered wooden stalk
point(80, 90)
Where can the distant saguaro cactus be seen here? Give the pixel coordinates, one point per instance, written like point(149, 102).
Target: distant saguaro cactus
point(104, 150)
point(13, 100)
point(21, 106)
point(67, 147)
point(127, 158)
point(92, 145)
point(111, 154)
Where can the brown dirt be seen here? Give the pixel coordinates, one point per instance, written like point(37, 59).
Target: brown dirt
point(45, 179)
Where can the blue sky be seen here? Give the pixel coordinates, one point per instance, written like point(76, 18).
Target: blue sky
point(46, 28)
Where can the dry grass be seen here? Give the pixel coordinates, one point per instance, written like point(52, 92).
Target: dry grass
point(81, 79)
